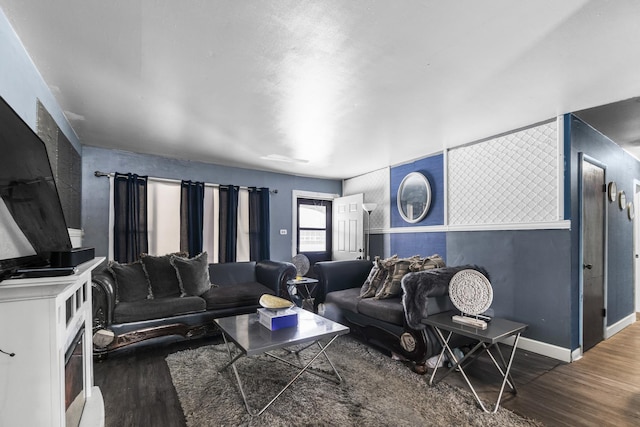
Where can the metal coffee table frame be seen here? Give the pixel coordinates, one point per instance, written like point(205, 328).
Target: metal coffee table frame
point(250, 338)
point(497, 330)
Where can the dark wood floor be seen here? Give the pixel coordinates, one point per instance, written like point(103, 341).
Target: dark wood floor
point(601, 389)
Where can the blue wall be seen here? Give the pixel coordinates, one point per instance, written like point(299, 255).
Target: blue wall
point(530, 270)
point(621, 168)
point(408, 244)
point(432, 168)
point(530, 274)
point(95, 191)
point(535, 273)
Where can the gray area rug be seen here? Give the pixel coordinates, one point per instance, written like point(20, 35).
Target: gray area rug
point(376, 391)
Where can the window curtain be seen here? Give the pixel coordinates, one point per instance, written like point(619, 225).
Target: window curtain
point(191, 217)
point(259, 240)
point(130, 217)
point(211, 224)
point(228, 195)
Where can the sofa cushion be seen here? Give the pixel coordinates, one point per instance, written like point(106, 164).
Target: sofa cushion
point(156, 308)
point(162, 276)
point(346, 299)
point(428, 263)
point(230, 296)
point(131, 281)
point(388, 310)
point(391, 287)
point(193, 274)
point(377, 281)
point(372, 282)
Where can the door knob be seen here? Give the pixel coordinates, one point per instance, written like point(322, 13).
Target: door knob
point(587, 266)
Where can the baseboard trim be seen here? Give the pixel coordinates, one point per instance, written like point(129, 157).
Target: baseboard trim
point(620, 325)
point(565, 354)
point(539, 347)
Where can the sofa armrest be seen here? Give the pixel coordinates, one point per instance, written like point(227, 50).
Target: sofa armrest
point(339, 275)
point(103, 299)
point(274, 275)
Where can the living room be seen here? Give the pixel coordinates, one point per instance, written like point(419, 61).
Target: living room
point(532, 226)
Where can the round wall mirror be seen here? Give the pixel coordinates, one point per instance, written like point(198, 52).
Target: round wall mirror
point(414, 197)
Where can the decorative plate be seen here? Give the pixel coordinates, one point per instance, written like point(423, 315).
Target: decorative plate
point(612, 190)
point(470, 292)
point(274, 303)
point(622, 200)
point(301, 262)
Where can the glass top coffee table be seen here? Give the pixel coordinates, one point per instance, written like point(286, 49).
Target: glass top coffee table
point(250, 338)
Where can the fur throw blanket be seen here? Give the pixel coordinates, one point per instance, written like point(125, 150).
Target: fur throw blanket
point(421, 285)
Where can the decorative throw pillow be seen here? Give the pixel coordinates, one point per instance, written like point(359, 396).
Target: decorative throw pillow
point(421, 264)
point(377, 281)
point(162, 276)
point(131, 281)
point(392, 284)
point(366, 286)
point(193, 274)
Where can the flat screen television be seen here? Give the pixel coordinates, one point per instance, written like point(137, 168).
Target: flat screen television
point(32, 223)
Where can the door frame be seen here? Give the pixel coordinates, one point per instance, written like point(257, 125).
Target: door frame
point(586, 158)
point(636, 243)
point(298, 194)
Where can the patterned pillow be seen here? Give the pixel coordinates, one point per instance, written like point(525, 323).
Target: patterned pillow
point(392, 284)
point(364, 290)
point(131, 281)
point(421, 264)
point(193, 274)
point(378, 279)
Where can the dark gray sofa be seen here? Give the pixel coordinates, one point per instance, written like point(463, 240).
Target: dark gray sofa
point(171, 315)
point(380, 322)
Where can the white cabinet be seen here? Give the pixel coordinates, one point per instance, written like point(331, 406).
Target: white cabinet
point(39, 319)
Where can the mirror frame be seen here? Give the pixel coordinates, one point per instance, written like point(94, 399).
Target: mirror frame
point(427, 187)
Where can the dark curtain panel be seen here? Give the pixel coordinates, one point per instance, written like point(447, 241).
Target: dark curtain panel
point(191, 217)
point(228, 223)
point(259, 243)
point(130, 225)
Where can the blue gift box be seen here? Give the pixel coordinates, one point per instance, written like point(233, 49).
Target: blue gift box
point(277, 319)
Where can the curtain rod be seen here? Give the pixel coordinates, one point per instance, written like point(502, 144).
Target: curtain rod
point(173, 181)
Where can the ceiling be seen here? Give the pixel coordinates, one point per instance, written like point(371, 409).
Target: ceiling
point(332, 88)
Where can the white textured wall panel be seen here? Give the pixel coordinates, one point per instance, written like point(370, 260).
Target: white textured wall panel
point(509, 179)
point(375, 187)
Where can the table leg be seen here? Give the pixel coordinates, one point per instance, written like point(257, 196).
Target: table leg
point(303, 369)
point(510, 381)
point(506, 373)
point(458, 364)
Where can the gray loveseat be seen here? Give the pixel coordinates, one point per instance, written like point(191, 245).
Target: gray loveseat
point(382, 321)
point(172, 298)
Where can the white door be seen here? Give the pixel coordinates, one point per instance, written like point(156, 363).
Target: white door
point(348, 228)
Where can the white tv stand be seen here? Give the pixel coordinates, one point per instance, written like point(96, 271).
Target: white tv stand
point(40, 317)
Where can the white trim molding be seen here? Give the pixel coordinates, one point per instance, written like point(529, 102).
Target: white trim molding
point(554, 225)
point(619, 325)
point(545, 349)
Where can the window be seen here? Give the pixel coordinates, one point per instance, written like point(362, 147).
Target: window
point(314, 226)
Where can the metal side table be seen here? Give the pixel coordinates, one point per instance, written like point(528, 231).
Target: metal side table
point(305, 287)
point(497, 330)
